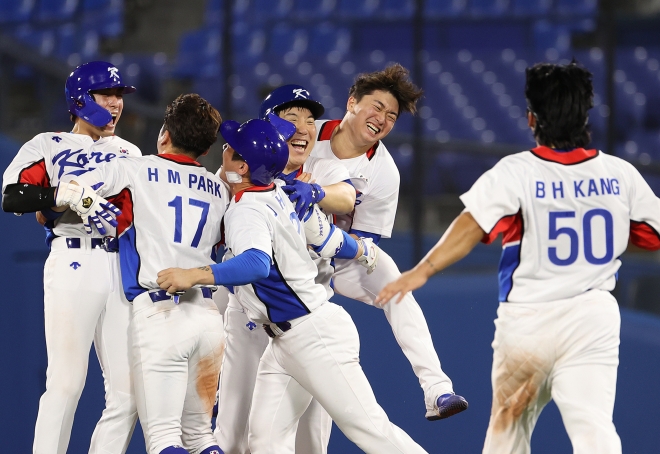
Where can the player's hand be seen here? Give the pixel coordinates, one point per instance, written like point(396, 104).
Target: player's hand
point(303, 196)
point(369, 257)
point(91, 207)
point(41, 219)
point(305, 177)
point(407, 282)
point(179, 280)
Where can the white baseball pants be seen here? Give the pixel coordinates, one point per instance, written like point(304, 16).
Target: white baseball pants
point(565, 350)
point(406, 318)
point(246, 343)
point(177, 352)
point(319, 358)
point(84, 302)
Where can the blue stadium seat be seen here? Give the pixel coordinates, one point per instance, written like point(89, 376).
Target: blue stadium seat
point(396, 8)
point(444, 8)
point(489, 7)
point(325, 38)
point(534, 8)
point(43, 41)
point(55, 10)
point(13, 11)
point(358, 8)
point(248, 41)
point(314, 10)
point(76, 45)
point(104, 16)
point(262, 10)
point(576, 7)
point(214, 12)
point(199, 54)
point(285, 39)
point(147, 72)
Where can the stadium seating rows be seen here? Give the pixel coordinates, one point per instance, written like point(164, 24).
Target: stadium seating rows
point(474, 86)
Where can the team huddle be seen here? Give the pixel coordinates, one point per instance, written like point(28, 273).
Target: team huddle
point(299, 207)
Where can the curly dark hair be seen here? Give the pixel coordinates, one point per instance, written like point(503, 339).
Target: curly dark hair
point(394, 79)
point(192, 123)
point(560, 96)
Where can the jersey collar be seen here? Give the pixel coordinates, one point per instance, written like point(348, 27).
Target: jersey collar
point(329, 127)
point(180, 158)
point(239, 194)
point(567, 158)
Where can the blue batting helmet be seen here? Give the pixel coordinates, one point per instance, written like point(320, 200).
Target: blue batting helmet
point(95, 75)
point(261, 145)
point(290, 94)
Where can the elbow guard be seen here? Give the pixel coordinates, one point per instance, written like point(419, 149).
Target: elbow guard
point(325, 239)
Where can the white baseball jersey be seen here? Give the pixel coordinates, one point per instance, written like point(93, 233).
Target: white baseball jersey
point(375, 206)
point(324, 172)
point(191, 224)
point(263, 218)
point(52, 157)
point(566, 217)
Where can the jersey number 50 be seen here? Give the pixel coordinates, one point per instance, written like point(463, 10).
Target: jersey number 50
point(177, 204)
point(572, 234)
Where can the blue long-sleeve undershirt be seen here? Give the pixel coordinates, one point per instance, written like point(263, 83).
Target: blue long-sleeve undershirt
point(250, 266)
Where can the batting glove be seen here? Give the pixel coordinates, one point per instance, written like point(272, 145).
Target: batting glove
point(369, 258)
point(91, 207)
point(303, 196)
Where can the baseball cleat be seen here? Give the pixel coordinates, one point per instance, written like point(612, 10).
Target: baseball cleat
point(447, 405)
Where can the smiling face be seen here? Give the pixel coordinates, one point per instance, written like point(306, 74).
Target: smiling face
point(302, 142)
point(373, 117)
point(111, 99)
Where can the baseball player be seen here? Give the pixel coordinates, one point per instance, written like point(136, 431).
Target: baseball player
point(566, 214)
point(245, 343)
point(83, 300)
point(173, 217)
point(314, 348)
point(375, 102)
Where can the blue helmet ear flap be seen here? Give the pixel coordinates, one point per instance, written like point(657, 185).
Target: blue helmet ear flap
point(284, 127)
point(86, 108)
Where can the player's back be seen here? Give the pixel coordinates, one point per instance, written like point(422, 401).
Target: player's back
point(171, 217)
point(565, 218)
point(263, 218)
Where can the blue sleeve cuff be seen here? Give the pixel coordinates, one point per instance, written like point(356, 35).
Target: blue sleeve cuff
point(362, 234)
point(250, 266)
point(349, 249)
point(50, 214)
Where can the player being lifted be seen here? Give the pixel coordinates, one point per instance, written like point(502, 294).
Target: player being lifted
point(172, 218)
point(566, 214)
point(245, 343)
point(83, 299)
point(375, 102)
point(314, 347)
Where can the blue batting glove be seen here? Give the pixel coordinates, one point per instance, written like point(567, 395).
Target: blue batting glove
point(303, 196)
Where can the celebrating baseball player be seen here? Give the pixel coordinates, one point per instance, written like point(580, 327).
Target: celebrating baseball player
point(246, 344)
point(83, 298)
point(566, 214)
point(314, 347)
point(375, 102)
point(173, 217)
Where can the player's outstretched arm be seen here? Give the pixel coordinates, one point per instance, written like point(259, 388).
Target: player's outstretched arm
point(339, 198)
point(179, 280)
point(460, 238)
